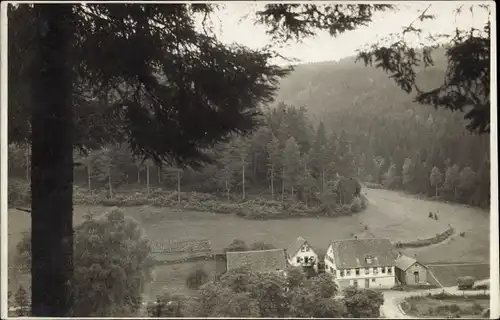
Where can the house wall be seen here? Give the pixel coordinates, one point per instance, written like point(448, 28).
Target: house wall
point(330, 262)
point(410, 277)
point(308, 253)
point(376, 279)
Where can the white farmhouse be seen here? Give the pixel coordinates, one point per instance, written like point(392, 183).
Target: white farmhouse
point(301, 254)
point(362, 263)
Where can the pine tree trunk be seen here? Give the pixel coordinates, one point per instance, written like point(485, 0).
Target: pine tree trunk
point(243, 180)
point(322, 179)
point(147, 179)
point(88, 177)
point(179, 186)
point(159, 175)
point(292, 191)
point(272, 182)
point(52, 165)
point(110, 185)
point(138, 176)
point(27, 155)
point(227, 189)
point(282, 185)
point(436, 191)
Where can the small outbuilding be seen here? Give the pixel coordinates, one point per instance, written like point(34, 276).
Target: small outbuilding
point(409, 271)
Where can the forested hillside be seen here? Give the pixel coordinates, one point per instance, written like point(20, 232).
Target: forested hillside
point(397, 142)
point(330, 120)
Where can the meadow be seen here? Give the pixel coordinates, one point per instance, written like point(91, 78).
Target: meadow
point(389, 214)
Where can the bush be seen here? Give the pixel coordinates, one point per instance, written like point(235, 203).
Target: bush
point(260, 245)
point(356, 205)
point(465, 282)
point(236, 245)
point(196, 278)
point(462, 234)
point(19, 192)
point(125, 263)
point(431, 215)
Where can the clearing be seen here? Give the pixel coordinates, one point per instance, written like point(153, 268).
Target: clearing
point(390, 214)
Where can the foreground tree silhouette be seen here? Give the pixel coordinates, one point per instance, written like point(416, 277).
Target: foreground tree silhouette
point(167, 89)
point(85, 75)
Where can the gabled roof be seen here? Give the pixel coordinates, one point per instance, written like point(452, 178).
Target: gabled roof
point(404, 262)
point(353, 253)
point(295, 247)
point(257, 261)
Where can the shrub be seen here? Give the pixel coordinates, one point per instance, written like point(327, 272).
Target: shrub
point(110, 249)
point(465, 282)
point(236, 245)
point(431, 215)
point(356, 205)
point(476, 308)
point(462, 234)
point(454, 308)
point(260, 245)
point(19, 192)
point(196, 278)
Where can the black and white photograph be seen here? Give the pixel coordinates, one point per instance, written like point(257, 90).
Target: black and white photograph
point(249, 159)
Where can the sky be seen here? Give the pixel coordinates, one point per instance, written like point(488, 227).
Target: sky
point(233, 23)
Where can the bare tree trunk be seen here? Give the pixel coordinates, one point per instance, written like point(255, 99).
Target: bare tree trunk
point(159, 175)
point(436, 190)
point(282, 184)
point(179, 186)
point(138, 176)
point(227, 189)
point(147, 179)
point(52, 164)
point(292, 191)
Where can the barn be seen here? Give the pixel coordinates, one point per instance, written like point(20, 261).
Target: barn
point(409, 271)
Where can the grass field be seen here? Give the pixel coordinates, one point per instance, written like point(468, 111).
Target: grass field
point(447, 274)
point(389, 214)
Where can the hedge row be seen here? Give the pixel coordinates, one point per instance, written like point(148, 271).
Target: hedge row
point(427, 242)
point(255, 209)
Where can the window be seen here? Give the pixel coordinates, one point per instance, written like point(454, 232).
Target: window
point(368, 259)
point(373, 280)
point(375, 270)
point(298, 259)
point(303, 249)
point(341, 273)
point(389, 270)
point(357, 271)
point(367, 270)
point(348, 272)
point(383, 269)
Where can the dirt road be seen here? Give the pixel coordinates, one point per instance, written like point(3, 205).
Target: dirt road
point(397, 216)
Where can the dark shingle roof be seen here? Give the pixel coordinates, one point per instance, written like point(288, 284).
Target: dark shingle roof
point(257, 261)
point(295, 247)
point(352, 253)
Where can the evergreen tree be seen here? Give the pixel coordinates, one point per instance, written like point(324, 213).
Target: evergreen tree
point(436, 179)
point(291, 163)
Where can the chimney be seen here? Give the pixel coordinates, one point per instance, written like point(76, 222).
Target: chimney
point(415, 255)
